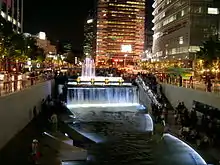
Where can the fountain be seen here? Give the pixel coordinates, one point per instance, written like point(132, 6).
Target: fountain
point(88, 74)
point(79, 96)
point(88, 68)
point(91, 90)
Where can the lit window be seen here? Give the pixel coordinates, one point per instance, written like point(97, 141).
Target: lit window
point(3, 14)
point(194, 48)
point(213, 11)
point(180, 40)
point(182, 13)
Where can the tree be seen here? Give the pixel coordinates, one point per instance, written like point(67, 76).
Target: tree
point(37, 54)
point(40, 55)
point(18, 45)
point(70, 58)
point(209, 52)
point(59, 48)
point(14, 46)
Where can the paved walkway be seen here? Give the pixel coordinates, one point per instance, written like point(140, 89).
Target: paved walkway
point(211, 155)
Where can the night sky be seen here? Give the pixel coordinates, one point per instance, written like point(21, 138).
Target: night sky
point(61, 19)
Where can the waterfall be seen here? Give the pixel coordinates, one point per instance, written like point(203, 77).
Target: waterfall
point(100, 95)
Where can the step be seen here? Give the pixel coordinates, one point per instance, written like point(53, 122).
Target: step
point(64, 146)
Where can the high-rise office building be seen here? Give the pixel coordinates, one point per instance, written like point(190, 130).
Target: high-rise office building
point(181, 26)
point(148, 26)
point(89, 45)
point(120, 31)
point(12, 11)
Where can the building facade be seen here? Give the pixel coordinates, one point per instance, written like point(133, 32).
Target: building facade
point(43, 42)
point(181, 26)
point(148, 26)
point(67, 47)
point(89, 45)
point(12, 11)
point(120, 31)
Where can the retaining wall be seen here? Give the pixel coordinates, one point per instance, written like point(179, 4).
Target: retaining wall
point(187, 95)
point(16, 109)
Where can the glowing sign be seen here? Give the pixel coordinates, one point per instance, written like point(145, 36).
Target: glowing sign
point(213, 11)
point(126, 48)
point(90, 21)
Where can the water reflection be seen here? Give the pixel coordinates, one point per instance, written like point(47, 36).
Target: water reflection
point(121, 137)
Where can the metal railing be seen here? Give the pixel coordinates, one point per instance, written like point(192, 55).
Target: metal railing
point(195, 84)
point(7, 87)
point(147, 90)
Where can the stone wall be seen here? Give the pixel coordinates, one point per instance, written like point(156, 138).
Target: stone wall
point(187, 95)
point(17, 109)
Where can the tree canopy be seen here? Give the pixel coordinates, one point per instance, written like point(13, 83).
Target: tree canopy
point(209, 52)
point(17, 46)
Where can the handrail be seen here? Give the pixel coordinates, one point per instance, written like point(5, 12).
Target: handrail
point(7, 87)
point(196, 85)
point(146, 88)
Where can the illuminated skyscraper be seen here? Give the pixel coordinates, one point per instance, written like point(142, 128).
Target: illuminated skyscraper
point(181, 27)
point(120, 31)
point(89, 45)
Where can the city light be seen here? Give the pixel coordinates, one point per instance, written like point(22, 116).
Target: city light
point(71, 106)
point(213, 11)
point(126, 48)
point(90, 21)
point(42, 35)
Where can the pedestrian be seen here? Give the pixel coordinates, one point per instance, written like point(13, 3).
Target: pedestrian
point(35, 151)
point(54, 121)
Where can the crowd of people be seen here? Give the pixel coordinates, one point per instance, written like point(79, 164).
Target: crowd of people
point(179, 80)
point(194, 127)
point(159, 108)
point(17, 81)
point(203, 130)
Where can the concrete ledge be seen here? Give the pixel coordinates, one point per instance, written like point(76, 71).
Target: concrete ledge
point(187, 95)
point(17, 109)
point(64, 146)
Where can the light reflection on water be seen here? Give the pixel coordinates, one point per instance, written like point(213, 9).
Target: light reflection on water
point(122, 136)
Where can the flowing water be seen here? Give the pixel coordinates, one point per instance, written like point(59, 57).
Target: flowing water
point(120, 136)
point(101, 95)
point(88, 68)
